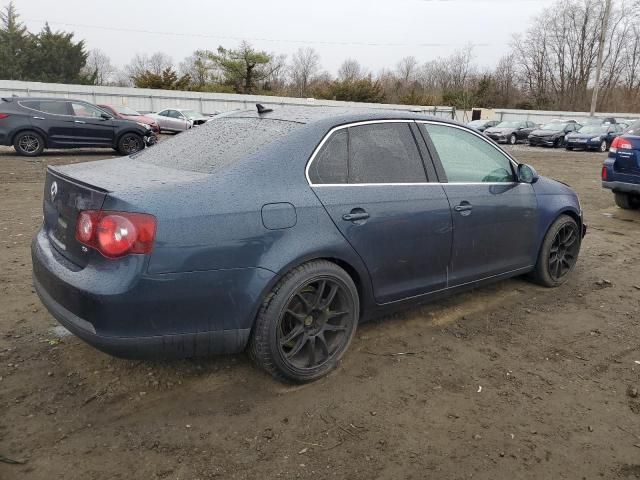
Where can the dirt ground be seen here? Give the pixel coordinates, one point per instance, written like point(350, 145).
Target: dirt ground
point(507, 382)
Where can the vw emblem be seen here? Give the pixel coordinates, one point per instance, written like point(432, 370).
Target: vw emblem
point(54, 190)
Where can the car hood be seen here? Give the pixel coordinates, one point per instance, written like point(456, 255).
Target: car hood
point(546, 133)
point(585, 135)
point(140, 118)
point(499, 130)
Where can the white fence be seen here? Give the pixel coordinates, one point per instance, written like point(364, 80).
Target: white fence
point(541, 116)
point(149, 100)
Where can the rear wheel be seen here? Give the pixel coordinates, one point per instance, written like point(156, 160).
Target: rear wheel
point(559, 252)
point(28, 144)
point(627, 200)
point(306, 323)
point(130, 143)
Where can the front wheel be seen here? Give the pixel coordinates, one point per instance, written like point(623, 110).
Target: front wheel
point(306, 323)
point(603, 146)
point(559, 252)
point(627, 201)
point(130, 143)
point(28, 144)
point(513, 139)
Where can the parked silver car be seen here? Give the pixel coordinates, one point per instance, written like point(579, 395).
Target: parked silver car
point(179, 119)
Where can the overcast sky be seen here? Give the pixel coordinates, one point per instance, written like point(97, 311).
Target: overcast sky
point(377, 33)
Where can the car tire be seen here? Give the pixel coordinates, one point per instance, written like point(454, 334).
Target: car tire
point(627, 201)
point(28, 143)
point(603, 147)
point(130, 143)
point(311, 313)
point(513, 139)
point(558, 253)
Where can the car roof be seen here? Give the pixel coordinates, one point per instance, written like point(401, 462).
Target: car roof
point(334, 115)
point(21, 99)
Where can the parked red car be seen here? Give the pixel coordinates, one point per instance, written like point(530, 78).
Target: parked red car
point(126, 113)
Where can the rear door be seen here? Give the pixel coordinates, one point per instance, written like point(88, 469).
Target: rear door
point(371, 179)
point(93, 130)
point(494, 216)
point(55, 119)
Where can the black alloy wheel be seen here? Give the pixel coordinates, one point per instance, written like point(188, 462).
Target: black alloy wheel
point(315, 324)
point(130, 143)
point(564, 251)
point(28, 144)
point(306, 322)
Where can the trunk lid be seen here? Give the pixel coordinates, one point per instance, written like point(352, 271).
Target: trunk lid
point(628, 161)
point(64, 198)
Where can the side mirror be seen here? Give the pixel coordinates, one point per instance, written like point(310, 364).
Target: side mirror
point(527, 174)
point(105, 116)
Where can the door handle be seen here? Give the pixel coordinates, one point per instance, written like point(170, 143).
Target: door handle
point(78, 121)
point(463, 207)
point(354, 217)
point(38, 118)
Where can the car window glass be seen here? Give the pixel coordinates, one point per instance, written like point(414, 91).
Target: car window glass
point(85, 110)
point(384, 153)
point(47, 106)
point(330, 164)
point(467, 158)
point(164, 113)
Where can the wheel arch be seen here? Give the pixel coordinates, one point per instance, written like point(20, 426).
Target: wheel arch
point(29, 128)
point(119, 135)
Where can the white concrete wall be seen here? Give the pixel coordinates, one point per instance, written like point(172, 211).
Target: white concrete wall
point(149, 100)
point(541, 116)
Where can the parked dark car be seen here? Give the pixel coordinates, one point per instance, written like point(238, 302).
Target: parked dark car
point(510, 132)
point(482, 125)
point(552, 134)
point(277, 232)
point(593, 137)
point(127, 113)
point(33, 124)
point(621, 169)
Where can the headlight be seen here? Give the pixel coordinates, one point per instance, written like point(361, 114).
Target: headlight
point(595, 139)
point(144, 125)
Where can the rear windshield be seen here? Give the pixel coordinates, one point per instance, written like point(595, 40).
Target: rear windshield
point(216, 144)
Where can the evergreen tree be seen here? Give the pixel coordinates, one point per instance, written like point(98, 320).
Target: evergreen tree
point(14, 43)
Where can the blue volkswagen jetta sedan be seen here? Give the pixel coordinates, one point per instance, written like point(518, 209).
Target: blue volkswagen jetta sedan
point(277, 231)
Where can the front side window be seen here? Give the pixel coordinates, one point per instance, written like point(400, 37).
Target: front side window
point(86, 110)
point(384, 153)
point(466, 158)
point(331, 163)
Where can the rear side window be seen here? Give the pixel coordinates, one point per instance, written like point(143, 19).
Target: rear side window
point(330, 164)
point(216, 144)
point(384, 153)
point(634, 129)
point(48, 106)
point(466, 158)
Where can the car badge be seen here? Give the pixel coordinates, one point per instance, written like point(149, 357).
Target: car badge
point(54, 190)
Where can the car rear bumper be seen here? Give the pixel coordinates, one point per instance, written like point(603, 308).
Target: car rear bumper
point(622, 187)
point(118, 309)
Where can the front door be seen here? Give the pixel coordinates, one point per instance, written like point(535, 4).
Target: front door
point(494, 216)
point(372, 182)
point(92, 128)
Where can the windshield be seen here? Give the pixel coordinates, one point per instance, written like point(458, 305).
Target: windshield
point(192, 114)
point(593, 129)
point(508, 125)
point(554, 126)
point(123, 110)
point(217, 143)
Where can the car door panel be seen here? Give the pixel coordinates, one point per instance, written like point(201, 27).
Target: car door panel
point(496, 234)
point(404, 242)
point(53, 117)
point(494, 217)
point(92, 129)
point(377, 194)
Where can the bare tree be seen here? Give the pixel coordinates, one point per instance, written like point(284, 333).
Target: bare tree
point(407, 70)
point(305, 65)
point(351, 70)
point(99, 63)
point(156, 64)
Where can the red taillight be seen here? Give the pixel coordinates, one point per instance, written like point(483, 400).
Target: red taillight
point(3, 116)
point(620, 143)
point(604, 173)
point(116, 234)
